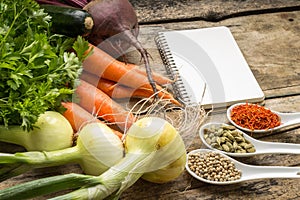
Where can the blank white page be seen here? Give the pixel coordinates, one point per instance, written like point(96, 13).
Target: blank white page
point(211, 58)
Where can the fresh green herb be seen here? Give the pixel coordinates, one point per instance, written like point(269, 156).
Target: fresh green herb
point(36, 70)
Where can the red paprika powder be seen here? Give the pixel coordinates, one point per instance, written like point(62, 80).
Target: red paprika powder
point(254, 117)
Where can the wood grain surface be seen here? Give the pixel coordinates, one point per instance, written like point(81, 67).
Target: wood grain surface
point(155, 11)
point(270, 44)
point(268, 34)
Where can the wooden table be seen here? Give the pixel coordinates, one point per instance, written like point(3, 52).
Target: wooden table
point(268, 33)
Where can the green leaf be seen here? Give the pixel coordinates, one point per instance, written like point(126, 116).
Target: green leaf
point(37, 70)
point(81, 47)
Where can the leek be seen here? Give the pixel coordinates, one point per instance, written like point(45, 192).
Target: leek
point(97, 149)
point(151, 145)
point(52, 131)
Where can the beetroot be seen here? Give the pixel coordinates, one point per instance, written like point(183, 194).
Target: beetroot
point(112, 18)
point(116, 29)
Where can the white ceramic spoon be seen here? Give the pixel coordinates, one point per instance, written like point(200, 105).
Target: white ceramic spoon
point(250, 172)
point(287, 119)
point(260, 146)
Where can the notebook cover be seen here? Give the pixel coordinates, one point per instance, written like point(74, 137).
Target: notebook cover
point(208, 67)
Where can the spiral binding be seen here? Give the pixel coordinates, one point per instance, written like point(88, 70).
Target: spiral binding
point(171, 68)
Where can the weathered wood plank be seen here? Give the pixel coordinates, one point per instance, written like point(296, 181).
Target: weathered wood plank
point(254, 190)
point(272, 51)
point(257, 189)
point(154, 11)
point(269, 42)
point(185, 187)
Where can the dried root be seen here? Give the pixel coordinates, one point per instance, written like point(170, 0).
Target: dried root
point(186, 119)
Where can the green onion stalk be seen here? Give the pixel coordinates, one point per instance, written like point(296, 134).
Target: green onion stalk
point(97, 149)
point(154, 150)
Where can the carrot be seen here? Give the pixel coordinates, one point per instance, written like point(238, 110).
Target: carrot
point(105, 66)
point(88, 65)
point(118, 91)
point(158, 78)
point(77, 117)
point(113, 89)
point(96, 101)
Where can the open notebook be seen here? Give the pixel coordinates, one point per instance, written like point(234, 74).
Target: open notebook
point(208, 67)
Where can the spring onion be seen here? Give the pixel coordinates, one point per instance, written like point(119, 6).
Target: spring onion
point(96, 150)
point(151, 144)
point(51, 132)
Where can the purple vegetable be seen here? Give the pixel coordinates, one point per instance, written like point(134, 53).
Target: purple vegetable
point(116, 28)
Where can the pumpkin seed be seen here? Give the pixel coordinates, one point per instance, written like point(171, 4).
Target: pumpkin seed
point(251, 150)
point(227, 138)
point(218, 140)
point(228, 127)
point(235, 145)
point(235, 133)
point(243, 144)
point(248, 146)
point(229, 145)
point(239, 139)
point(230, 136)
point(205, 136)
point(208, 140)
point(225, 148)
point(223, 139)
point(215, 145)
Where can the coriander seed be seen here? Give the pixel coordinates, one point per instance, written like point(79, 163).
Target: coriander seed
point(213, 167)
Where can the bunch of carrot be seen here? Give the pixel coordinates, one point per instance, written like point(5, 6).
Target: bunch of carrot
point(104, 78)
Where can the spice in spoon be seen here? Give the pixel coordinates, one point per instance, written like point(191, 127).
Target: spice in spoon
point(254, 117)
point(213, 166)
point(227, 138)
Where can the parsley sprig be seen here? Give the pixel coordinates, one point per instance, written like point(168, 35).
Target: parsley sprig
point(37, 71)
